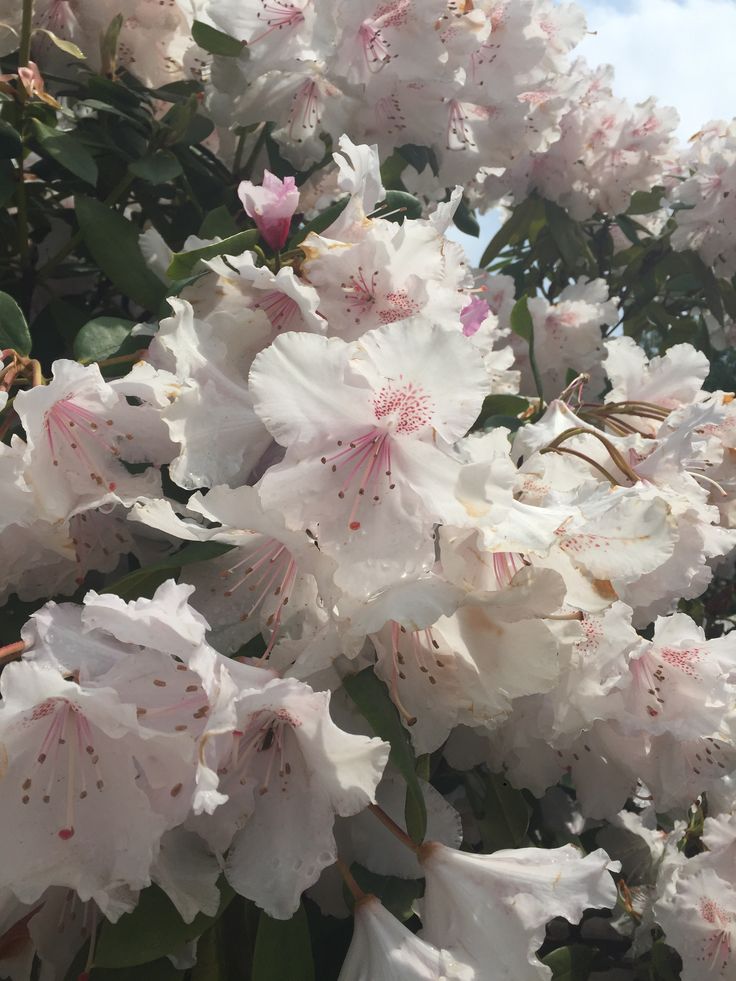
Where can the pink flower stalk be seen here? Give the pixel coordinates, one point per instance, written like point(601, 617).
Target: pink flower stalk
point(271, 206)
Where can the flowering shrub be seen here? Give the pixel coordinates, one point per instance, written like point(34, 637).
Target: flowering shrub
point(366, 616)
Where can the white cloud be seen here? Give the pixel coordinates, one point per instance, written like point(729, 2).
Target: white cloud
point(682, 52)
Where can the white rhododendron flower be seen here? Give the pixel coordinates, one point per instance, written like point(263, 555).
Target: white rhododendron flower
point(521, 889)
point(287, 771)
point(372, 441)
point(382, 949)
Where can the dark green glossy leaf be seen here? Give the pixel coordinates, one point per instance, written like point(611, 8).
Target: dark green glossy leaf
point(283, 949)
point(419, 157)
point(145, 582)
point(66, 150)
point(158, 168)
point(14, 331)
point(495, 406)
point(153, 930)
point(465, 220)
point(183, 263)
point(216, 42)
point(11, 144)
point(320, 223)
point(113, 242)
point(570, 963)
point(101, 338)
point(398, 206)
point(372, 698)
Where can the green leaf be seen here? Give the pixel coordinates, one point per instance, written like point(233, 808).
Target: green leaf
point(629, 228)
point(569, 238)
point(666, 962)
point(398, 206)
point(8, 182)
point(515, 229)
point(419, 157)
point(521, 320)
point(14, 331)
point(374, 703)
point(101, 338)
point(465, 219)
point(320, 223)
point(113, 242)
point(219, 223)
point(283, 949)
point(216, 42)
point(66, 150)
point(645, 202)
point(570, 963)
point(183, 263)
point(153, 930)
point(145, 582)
point(495, 406)
point(66, 46)
point(211, 957)
point(158, 168)
point(501, 811)
point(109, 45)
point(397, 895)
point(11, 144)
point(160, 970)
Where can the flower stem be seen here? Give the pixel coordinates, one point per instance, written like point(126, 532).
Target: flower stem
point(11, 652)
point(355, 890)
point(24, 53)
point(21, 200)
point(393, 827)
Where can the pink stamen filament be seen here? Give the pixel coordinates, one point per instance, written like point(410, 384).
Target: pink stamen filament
point(305, 114)
point(279, 308)
point(279, 16)
point(375, 49)
point(369, 455)
point(360, 293)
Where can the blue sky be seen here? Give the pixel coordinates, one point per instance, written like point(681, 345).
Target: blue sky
point(679, 50)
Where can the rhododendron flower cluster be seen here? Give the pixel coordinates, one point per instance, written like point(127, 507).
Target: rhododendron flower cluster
point(341, 578)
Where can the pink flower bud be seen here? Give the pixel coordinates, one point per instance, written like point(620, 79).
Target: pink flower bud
point(271, 206)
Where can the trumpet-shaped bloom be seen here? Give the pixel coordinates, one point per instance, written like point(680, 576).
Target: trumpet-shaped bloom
point(288, 771)
point(493, 908)
point(382, 949)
